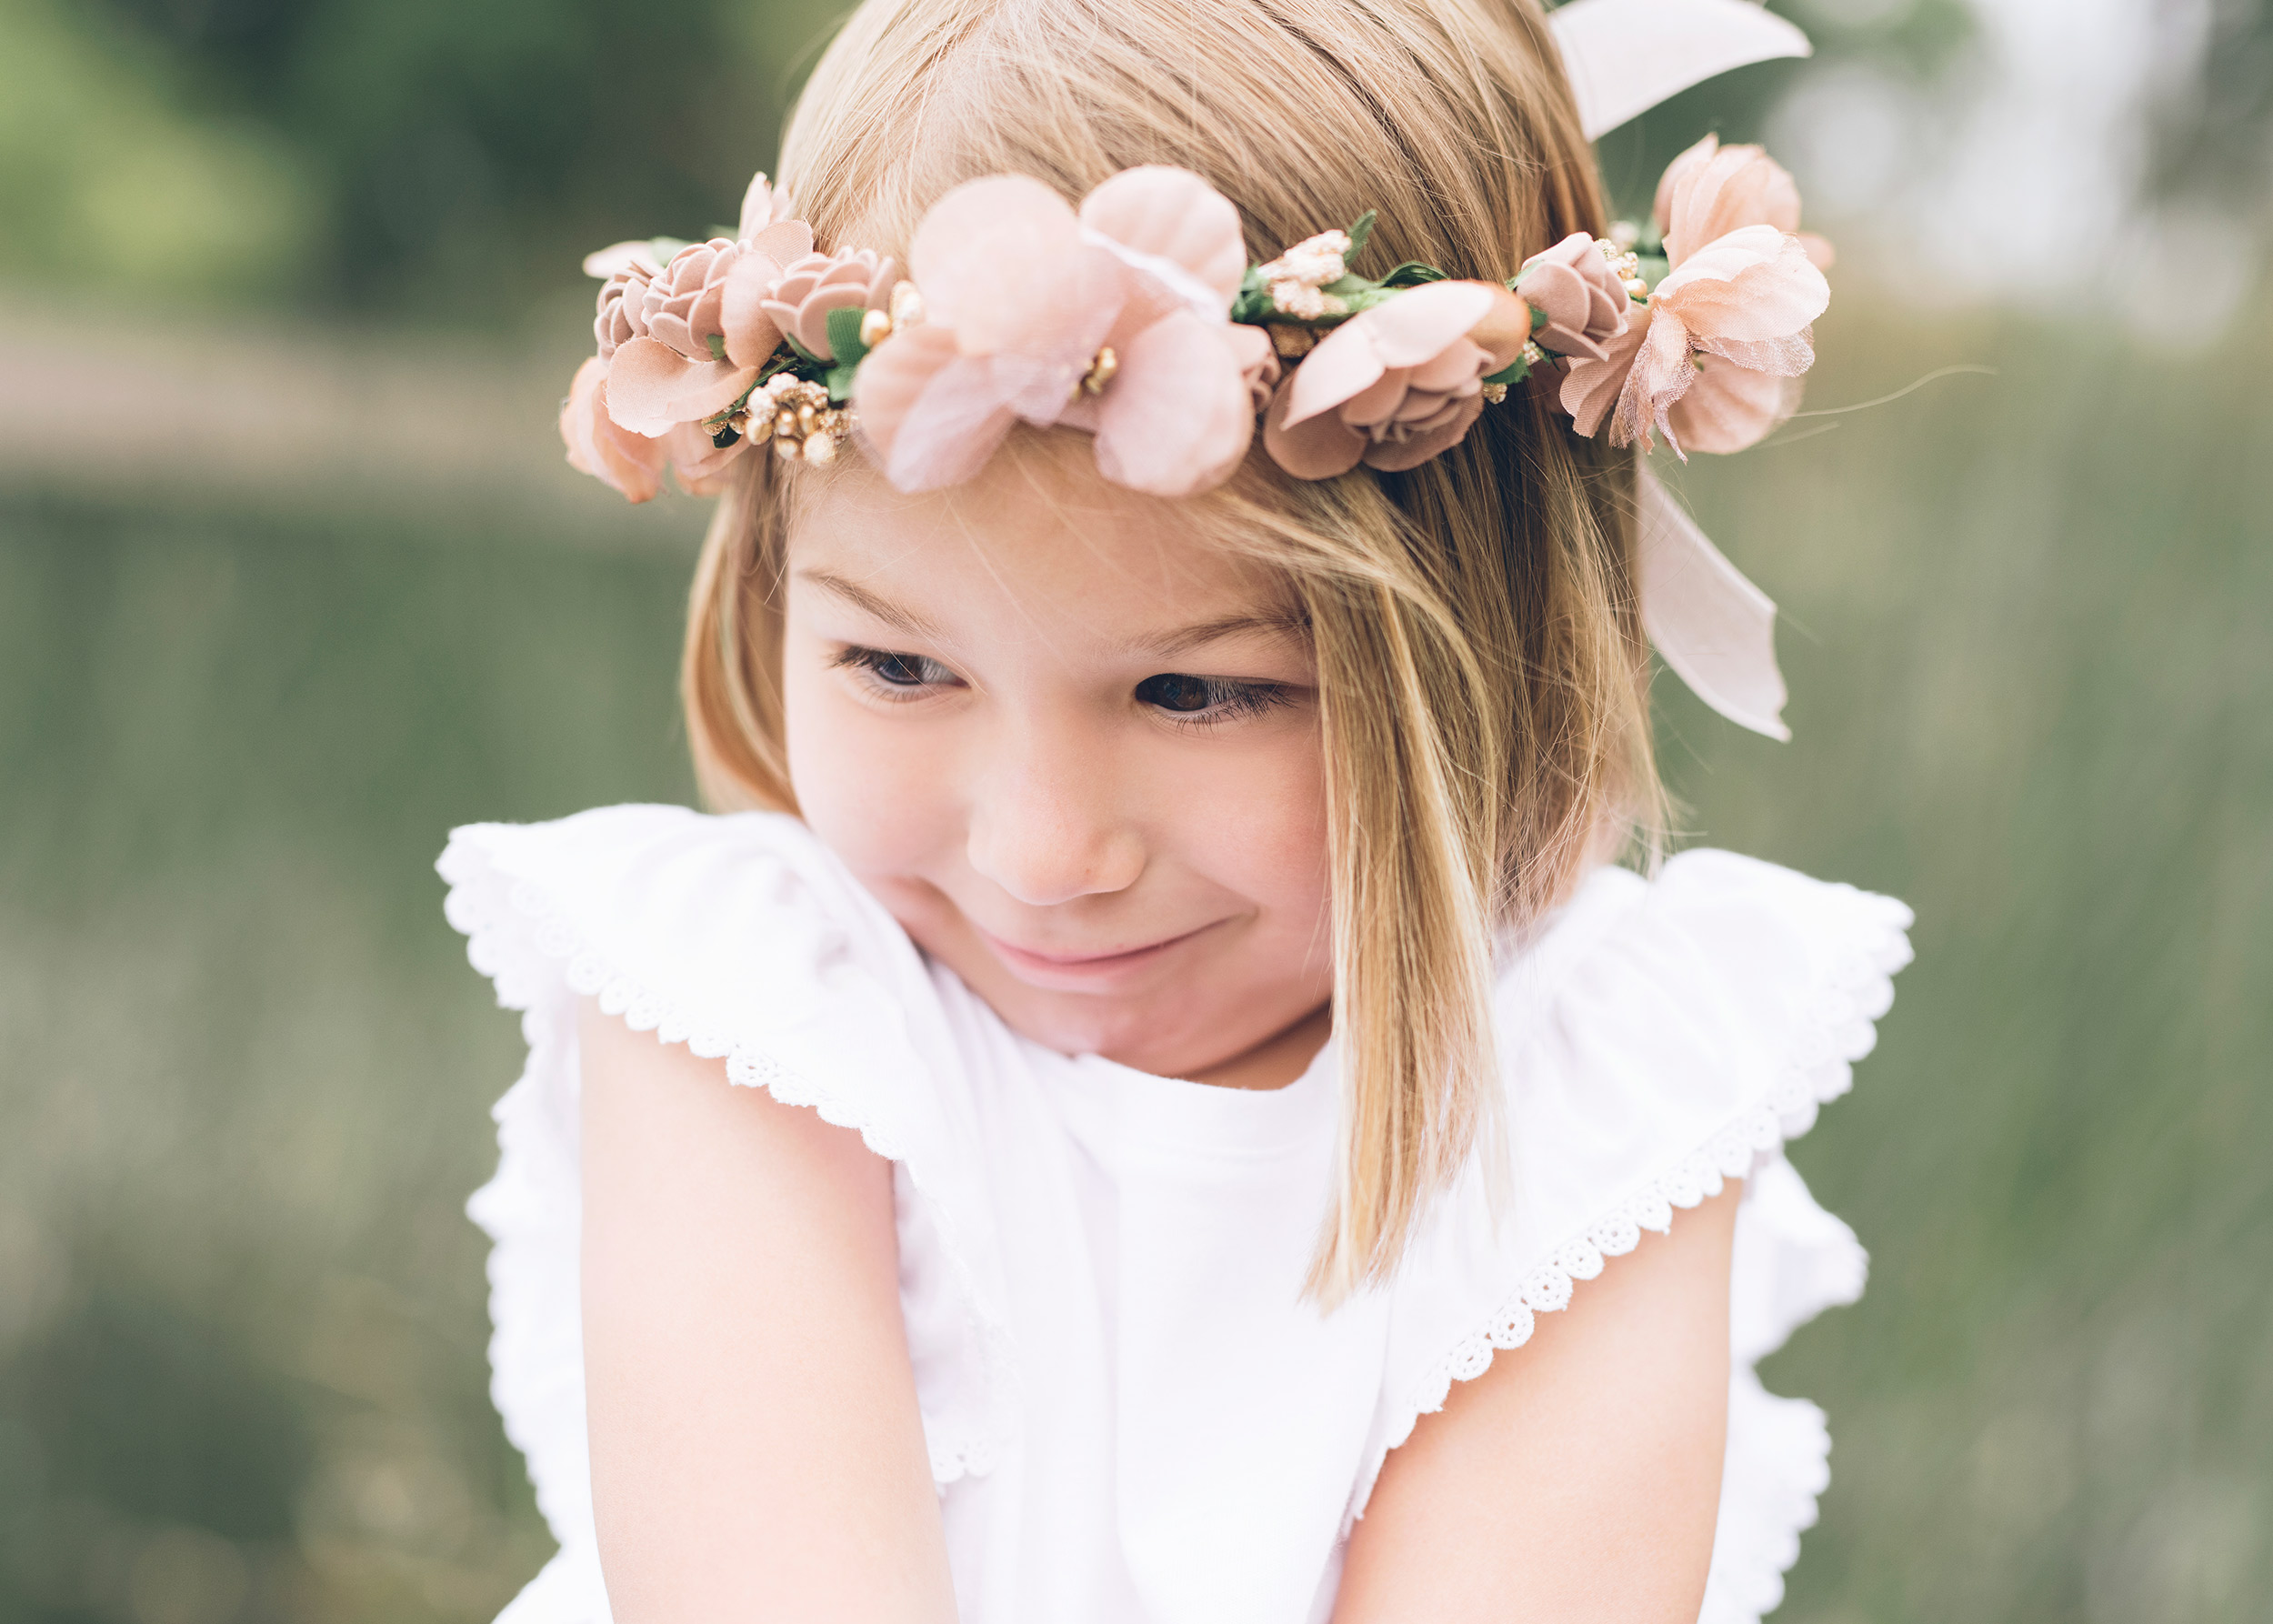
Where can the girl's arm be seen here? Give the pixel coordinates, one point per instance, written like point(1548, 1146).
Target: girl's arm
point(757, 1450)
point(1578, 1479)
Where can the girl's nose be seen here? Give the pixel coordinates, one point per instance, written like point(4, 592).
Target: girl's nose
point(1046, 824)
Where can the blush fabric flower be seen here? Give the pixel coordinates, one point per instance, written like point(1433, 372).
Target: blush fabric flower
point(1397, 383)
point(1711, 190)
point(1585, 303)
point(670, 372)
point(1713, 361)
point(810, 287)
point(623, 461)
point(620, 314)
point(633, 462)
point(1113, 319)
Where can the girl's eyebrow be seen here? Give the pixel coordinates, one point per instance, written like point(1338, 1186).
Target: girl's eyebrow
point(1278, 623)
point(868, 602)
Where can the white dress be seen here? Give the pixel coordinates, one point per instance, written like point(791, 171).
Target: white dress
point(1131, 1415)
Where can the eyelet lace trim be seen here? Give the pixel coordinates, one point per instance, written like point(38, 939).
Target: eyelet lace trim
point(1837, 1030)
point(495, 943)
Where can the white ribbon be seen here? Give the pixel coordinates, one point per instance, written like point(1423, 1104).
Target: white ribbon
point(1625, 56)
point(1715, 628)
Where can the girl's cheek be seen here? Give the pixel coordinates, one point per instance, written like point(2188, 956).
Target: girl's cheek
point(872, 787)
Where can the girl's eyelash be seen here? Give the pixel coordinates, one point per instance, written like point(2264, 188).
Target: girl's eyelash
point(1187, 700)
point(1210, 701)
point(894, 677)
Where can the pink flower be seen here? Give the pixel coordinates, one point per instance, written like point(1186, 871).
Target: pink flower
point(700, 465)
point(624, 461)
point(1714, 189)
point(1397, 383)
point(633, 462)
point(812, 286)
point(1711, 360)
point(1023, 297)
point(1585, 304)
point(620, 316)
point(664, 367)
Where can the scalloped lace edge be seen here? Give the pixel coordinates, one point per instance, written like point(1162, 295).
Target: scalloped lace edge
point(1838, 1030)
point(473, 874)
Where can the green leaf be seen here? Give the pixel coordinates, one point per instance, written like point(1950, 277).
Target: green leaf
point(804, 355)
point(1360, 231)
point(1252, 304)
point(718, 342)
point(840, 382)
point(843, 335)
point(1513, 373)
point(1412, 274)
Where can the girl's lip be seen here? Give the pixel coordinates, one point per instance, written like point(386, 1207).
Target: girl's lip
point(1079, 969)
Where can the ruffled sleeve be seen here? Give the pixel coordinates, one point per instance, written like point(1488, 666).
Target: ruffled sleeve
point(744, 939)
point(1662, 1036)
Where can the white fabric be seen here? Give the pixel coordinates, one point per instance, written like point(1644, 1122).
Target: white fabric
point(1625, 56)
point(1131, 1415)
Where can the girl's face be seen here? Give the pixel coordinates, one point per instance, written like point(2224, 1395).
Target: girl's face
point(1073, 747)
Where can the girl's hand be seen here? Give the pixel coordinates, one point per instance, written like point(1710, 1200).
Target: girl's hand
point(1578, 1479)
point(757, 1449)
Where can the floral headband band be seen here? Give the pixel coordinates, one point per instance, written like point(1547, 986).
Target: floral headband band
point(1137, 317)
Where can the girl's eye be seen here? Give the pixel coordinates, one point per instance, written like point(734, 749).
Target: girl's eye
point(897, 671)
point(1208, 699)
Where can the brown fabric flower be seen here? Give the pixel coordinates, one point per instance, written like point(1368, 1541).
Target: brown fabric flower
point(685, 306)
point(1397, 383)
point(1585, 301)
point(812, 286)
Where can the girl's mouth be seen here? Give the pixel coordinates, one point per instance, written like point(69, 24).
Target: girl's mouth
point(1060, 969)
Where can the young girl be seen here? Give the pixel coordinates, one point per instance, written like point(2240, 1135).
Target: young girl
point(1217, 1139)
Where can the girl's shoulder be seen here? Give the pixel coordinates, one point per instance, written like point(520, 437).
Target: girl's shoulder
point(743, 938)
point(1659, 1036)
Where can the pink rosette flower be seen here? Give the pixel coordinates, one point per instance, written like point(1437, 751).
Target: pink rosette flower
point(685, 305)
point(671, 372)
point(1713, 363)
point(849, 279)
point(1585, 303)
point(1024, 298)
point(1397, 383)
point(620, 316)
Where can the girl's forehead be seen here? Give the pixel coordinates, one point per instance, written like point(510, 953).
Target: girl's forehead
point(1037, 536)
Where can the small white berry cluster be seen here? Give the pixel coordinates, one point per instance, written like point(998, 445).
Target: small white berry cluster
point(1626, 265)
point(1297, 278)
point(797, 414)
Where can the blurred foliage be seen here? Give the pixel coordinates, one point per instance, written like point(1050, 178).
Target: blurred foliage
point(2213, 133)
point(453, 162)
point(446, 159)
point(113, 176)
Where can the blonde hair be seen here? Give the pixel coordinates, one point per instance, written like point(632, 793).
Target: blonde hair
point(1481, 672)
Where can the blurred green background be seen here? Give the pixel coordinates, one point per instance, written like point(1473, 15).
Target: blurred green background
point(291, 581)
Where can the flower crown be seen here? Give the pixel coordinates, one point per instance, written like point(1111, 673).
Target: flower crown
point(1138, 318)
